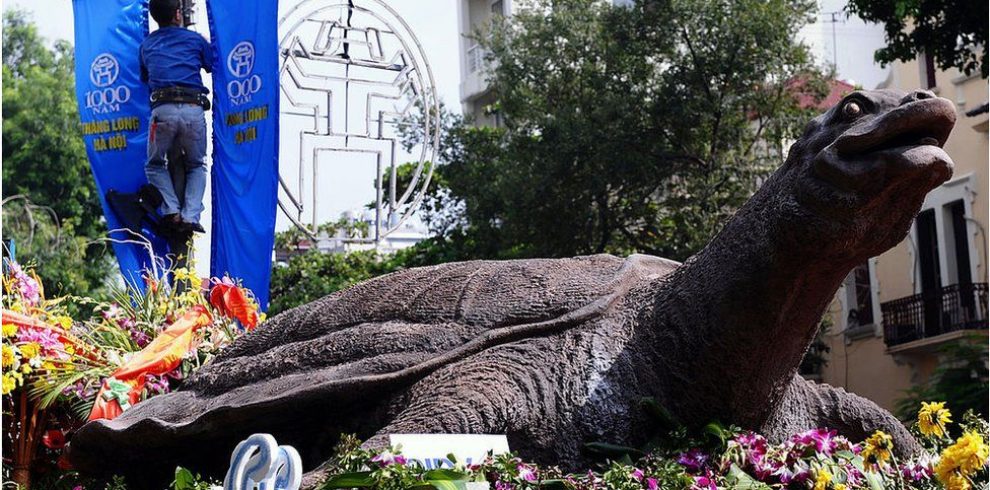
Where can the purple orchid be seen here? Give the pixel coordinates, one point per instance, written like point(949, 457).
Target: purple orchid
point(694, 460)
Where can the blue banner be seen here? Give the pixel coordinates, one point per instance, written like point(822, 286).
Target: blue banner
point(114, 110)
point(245, 140)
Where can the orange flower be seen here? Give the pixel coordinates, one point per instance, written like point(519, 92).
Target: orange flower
point(233, 302)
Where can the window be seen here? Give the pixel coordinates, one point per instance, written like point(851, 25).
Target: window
point(927, 66)
point(864, 294)
point(498, 7)
point(860, 305)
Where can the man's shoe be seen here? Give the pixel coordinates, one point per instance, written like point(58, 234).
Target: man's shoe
point(194, 227)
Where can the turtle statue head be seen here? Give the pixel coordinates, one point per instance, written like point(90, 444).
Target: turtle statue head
point(860, 172)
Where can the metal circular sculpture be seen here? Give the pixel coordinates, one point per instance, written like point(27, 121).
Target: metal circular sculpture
point(354, 74)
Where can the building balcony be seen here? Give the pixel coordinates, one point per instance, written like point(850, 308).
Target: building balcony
point(934, 316)
point(474, 83)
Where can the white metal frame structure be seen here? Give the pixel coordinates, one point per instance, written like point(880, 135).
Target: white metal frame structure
point(333, 52)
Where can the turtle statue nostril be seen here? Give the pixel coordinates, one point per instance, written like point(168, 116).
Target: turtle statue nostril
point(917, 95)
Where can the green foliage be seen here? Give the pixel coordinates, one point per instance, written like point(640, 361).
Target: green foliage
point(960, 380)
point(626, 129)
point(44, 157)
point(951, 32)
point(187, 480)
point(72, 264)
point(292, 238)
point(313, 275)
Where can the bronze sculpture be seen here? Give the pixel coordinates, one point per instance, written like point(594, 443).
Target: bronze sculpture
point(556, 353)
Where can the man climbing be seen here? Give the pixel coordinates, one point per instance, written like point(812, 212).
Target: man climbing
point(171, 60)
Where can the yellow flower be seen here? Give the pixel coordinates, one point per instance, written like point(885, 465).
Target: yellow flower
point(184, 274)
point(9, 330)
point(932, 418)
point(8, 356)
point(878, 448)
point(962, 459)
point(839, 486)
point(822, 479)
point(30, 350)
point(48, 365)
point(70, 349)
point(26, 369)
point(9, 383)
point(64, 321)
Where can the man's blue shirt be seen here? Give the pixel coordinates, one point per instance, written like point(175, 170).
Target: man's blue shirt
point(172, 57)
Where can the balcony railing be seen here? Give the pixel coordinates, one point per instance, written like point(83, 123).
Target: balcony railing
point(931, 313)
point(475, 58)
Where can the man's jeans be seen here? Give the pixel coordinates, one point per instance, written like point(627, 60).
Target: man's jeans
point(182, 126)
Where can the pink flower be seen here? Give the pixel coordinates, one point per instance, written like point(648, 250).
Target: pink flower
point(651, 484)
point(26, 286)
point(112, 312)
point(47, 339)
point(388, 458)
point(526, 473)
point(705, 482)
point(637, 474)
point(822, 440)
point(501, 485)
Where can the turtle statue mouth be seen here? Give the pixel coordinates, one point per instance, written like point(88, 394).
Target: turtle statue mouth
point(903, 143)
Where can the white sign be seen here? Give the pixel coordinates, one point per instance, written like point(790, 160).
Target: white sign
point(432, 449)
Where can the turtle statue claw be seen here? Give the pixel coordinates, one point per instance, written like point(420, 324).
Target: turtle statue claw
point(556, 353)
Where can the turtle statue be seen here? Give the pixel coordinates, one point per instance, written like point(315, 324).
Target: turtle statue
point(556, 353)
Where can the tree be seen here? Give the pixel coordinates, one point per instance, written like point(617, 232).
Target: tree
point(626, 129)
point(948, 31)
point(40, 239)
point(44, 157)
point(960, 380)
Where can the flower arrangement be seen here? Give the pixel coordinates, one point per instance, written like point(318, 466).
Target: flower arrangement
point(817, 459)
point(59, 371)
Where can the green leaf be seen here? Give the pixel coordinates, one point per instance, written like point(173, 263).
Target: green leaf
point(445, 474)
point(613, 450)
point(718, 431)
point(875, 481)
point(184, 479)
point(448, 484)
point(660, 414)
point(358, 479)
point(740, 480)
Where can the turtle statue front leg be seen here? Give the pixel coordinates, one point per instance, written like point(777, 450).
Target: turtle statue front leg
point(807, 405)
point(469, 397)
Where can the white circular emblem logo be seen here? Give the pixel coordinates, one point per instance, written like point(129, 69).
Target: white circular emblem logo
point(240, 61)
point(104, 70)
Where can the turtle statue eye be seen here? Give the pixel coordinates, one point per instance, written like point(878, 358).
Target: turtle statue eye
point(851, 109)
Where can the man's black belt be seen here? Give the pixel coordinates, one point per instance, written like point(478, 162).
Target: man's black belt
point(179, 95)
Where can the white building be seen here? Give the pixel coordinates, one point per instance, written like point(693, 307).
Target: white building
point(475, 96)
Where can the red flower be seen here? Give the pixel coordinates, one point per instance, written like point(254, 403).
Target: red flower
point(233, 302)
point(53, 439)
